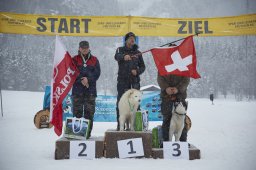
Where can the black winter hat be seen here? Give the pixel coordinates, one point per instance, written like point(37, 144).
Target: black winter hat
point(84, 44)
point(129, 34)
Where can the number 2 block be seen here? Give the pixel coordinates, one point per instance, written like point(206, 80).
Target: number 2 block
point(82, 149)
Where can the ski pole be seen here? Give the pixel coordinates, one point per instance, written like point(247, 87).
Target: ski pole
point(1, 101)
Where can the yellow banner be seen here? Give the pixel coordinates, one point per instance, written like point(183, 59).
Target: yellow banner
point(63, 25)
point(119, 25)
point(223, 26)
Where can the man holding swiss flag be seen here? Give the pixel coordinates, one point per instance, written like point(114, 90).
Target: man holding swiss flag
point(175, 65)
point(178, 60)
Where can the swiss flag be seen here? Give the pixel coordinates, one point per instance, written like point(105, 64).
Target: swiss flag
point(179, 60)
point(64, 76)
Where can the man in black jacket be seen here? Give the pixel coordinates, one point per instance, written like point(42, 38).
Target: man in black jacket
point(130, 67)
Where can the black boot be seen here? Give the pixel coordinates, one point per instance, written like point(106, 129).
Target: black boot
point(118, 127)
point(184, 134)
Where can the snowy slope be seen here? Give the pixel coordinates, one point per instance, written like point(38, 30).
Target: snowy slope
point(224, 132)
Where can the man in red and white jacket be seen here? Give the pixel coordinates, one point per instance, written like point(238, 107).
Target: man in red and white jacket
point(84, 90)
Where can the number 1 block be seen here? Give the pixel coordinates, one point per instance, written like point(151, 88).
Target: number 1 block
point(112, 136)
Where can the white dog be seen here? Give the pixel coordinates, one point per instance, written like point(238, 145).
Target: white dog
point(177, 120)
point(128, 106)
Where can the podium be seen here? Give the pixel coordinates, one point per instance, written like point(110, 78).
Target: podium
point(107, 146)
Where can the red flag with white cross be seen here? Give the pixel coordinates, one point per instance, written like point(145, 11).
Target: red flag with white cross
point(179, 60)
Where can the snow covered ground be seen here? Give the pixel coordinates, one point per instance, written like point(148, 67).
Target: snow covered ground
point(225, 133)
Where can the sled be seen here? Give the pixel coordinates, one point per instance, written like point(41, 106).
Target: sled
point(188, 123)
point(41, 119)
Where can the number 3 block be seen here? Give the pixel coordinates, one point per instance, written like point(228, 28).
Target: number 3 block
point(194, 153)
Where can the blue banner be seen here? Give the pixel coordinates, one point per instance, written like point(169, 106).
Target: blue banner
point(105, 110)
point(151, 102)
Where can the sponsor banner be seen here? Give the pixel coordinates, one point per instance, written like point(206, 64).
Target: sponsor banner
point(221, 26)
point(105, 110)
point(151, 102)
point(63, 25)
point(119, 25)
point(106, 107)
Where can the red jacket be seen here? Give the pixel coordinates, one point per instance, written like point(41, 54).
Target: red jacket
point(91, 70)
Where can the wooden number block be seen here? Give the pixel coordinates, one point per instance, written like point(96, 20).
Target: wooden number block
point(62, 147)
point(194, 153)
point(112, 136)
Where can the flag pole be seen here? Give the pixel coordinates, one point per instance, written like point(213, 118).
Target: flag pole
point(135, 55)
point(178, 40)
point(2, 111)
